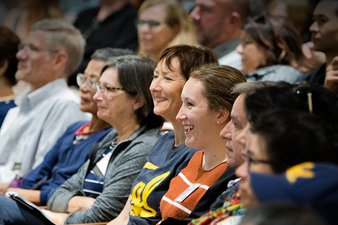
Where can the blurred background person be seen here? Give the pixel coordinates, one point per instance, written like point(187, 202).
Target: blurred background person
point(21, 18)
point(162, 24)
point(271, 50)
point(219, 26)
point(9, 45)
point(111, 24)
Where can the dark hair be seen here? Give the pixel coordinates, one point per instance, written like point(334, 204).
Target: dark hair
point(281, 214)
point(287, 96)
point(291, 137)
point(9, 44)
point(218, 82)
point(189, 58)
point(279, 39)
point(135, 74)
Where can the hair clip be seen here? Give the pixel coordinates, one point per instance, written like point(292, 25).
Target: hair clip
point(309, 101)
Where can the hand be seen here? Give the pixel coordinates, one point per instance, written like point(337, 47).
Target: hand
point(331, 76)
point(316, 58)
point(80, 203)
point(3, 188)
point(57, 218)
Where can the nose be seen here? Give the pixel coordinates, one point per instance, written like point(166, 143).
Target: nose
point(155, 85)
point(314, 27)
point(181, 115)
point(239, 49)
point(97, 96)
point(225, 132)
point(195, 13)
point(21, 54)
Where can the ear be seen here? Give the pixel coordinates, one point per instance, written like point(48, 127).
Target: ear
point(3, 67)
point(60, 60)
point(235, 17)
point(223, 116)
point(138, 102)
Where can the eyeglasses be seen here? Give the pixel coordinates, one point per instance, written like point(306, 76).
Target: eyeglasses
point(251, 160)
point(104, 89)
point(151, 23)
point(82, 79)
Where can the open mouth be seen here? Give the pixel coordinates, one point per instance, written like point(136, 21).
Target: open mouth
point(188, 129)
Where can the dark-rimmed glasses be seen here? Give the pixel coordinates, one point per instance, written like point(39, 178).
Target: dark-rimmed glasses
point(105, 89)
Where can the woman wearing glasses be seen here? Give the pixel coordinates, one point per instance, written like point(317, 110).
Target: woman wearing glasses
point(72, 149)
point(162, 24)
point(100, 188)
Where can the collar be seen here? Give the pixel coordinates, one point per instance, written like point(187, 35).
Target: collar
point(225, 48)
point(33, 98)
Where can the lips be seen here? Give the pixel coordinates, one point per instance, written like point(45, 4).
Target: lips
point(188, 128)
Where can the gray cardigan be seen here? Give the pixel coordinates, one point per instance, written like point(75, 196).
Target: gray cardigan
point(125, 164)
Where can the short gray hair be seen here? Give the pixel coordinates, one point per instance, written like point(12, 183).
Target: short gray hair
point(61, 35)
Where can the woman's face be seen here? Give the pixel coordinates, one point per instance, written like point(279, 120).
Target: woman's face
point(256, 160)
point(114, 106)
point(90, 76)
point(153, 32)
point(252, 54)
point(166, 88)
point(195, 115)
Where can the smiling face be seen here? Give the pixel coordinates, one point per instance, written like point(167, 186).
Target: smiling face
point(36, 61)
point(153, 38)
point(195, 115)
point(166, 88)
point(237, 123)
point(91, 75)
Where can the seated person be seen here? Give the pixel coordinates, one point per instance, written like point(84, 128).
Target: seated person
point(52, 50)
point(205, 110)
point(73, 147)
point(170, 155)
point(100, 188)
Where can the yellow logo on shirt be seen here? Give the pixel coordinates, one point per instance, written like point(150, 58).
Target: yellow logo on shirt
point(303, 170)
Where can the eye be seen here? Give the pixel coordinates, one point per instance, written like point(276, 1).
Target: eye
point(155, 76)
point(320, 20)
point(168, 78)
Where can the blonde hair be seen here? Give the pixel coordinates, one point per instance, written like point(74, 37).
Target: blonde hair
point(176, 16)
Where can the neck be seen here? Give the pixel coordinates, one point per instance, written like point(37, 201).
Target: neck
point(179, 133)
point(97, 124)
point(5, 89)
point(215, 153)
point(125, 131)
point(107, 8)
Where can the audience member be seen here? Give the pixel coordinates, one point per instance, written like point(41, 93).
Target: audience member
point(280, 214)
point(112, 24)
point(206, 104)
point(98, 191)
point(271, 50)
point(9, 43)
point(52, 50)
point(73, 147)
point(325, 36)
point(170, 155)
point(219, 26)
point(162, 24)
point(300, 135)
point(28, 12)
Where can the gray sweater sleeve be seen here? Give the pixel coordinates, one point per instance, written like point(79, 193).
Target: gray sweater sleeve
point(122, 170)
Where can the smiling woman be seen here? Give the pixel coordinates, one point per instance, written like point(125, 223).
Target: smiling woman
point(162, 24)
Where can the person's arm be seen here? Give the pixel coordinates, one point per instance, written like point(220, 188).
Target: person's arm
point(121, 172)
point(58, 202)
point(123, 217)
point(79, 203)
point(31, 195)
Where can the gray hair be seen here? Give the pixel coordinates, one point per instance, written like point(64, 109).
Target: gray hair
point(250, 87)
point(61, 35)
point(105, 53)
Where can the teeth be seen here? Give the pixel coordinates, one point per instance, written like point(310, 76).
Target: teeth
point(188, 129)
